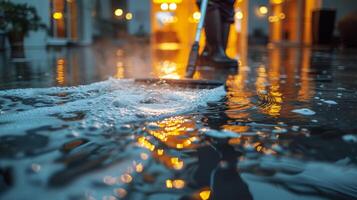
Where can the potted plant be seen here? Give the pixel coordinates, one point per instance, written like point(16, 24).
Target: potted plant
point(18, 20)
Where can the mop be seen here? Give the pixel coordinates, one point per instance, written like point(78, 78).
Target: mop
point(189, 82)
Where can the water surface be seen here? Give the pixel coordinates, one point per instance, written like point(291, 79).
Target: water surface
point(283, 128)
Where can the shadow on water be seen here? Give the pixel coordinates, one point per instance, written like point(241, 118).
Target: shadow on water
point(283, 129)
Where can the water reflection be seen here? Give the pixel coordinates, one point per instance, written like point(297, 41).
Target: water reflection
point(239, 147)
point(60, 71)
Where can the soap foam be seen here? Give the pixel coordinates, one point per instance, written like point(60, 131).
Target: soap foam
point(108, 102)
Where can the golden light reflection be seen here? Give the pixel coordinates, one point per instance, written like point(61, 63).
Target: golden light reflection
point(176, 163)
point(306, 91)
point(169, 183)
point(139, 168)
point(238, 99)
point(270, 97)
point(168, 69)
point(173, 132)
point(121, 192)
point(205, 194)
point(160, 152)
point(126, 178)
point(120, 73)
point(275, 94)
point(60, 70)
point(177, 184)
point(169, 161)
point(142, 141)
point(176, 133)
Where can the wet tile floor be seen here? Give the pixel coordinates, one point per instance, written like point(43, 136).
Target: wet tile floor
point(283, 128)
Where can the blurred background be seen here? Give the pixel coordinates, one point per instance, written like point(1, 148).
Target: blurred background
point(89, 40)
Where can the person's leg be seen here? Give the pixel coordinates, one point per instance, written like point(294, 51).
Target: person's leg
point(217, 32)
point(227, 18)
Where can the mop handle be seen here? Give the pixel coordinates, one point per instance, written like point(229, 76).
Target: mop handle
point(203, 9)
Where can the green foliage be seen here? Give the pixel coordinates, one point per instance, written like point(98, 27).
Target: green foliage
point(19, 18)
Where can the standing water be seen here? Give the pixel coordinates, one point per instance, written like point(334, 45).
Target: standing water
point(284, 127)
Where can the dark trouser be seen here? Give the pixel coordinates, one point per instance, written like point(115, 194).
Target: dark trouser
point(219, 17)
point(225, 7)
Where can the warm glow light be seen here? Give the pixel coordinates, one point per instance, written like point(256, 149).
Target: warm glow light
point(164, 6)
point(177, 164)
point(179, 184)
point(57, 15)
point(196, 15)
point(129, 16)
point(263, 10)
point(167, 1)
point(239, 15)
point(205, 194)
point(118, 12)
point(276, 1)
point(139, 168)
point(282, 16)
point(160, 152)
point(168, 46)
point(273, 19)
point(173, 6)
point(169, 183)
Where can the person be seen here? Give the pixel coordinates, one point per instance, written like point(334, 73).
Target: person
point(219, 17)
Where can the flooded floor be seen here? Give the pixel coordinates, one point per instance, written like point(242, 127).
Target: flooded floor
point(74, 125)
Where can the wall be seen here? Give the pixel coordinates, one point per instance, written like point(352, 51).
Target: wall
point(255, 21)
point(141, 10)
point(85, 22)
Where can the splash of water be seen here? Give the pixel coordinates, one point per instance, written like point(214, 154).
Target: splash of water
point(108, 103)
